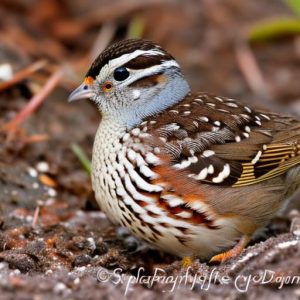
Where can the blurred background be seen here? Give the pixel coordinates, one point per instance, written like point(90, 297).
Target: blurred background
point(249, 50)
point(244, 49)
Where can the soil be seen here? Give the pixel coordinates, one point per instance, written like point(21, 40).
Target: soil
point(54, 241)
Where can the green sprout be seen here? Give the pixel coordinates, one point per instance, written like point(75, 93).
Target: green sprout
point(85, 162)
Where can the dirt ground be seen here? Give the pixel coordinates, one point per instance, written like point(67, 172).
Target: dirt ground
point(54, 241)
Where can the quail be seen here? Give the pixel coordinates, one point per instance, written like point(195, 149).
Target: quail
point(193, 174)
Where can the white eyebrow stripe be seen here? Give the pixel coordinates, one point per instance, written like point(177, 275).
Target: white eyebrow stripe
point(120, 61)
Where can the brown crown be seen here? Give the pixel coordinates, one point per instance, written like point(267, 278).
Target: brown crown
point(126, 46)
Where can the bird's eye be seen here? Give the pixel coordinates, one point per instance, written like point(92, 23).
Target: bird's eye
point(121, 74)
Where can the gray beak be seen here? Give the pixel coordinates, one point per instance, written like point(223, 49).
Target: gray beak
point(82, 92)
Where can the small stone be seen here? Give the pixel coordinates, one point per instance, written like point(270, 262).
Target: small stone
point(59, 288)
point(32, 172)
point(35, 185)
point(77, 242)
point(81, 269)
point(131, 243)
point(43, 167)
point(15, 272)
point(28, 219)
point(52, 192)
point(101, 247)
point(6, 72)
point(295, 227)
point(91, 244)
point(81, 260)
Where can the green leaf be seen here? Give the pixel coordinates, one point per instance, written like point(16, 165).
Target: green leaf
point(294, 6)
point(86, 164)
point(274, 29)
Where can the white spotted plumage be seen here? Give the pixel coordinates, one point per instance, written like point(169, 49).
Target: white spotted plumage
point(116, 185)
point(180, 169)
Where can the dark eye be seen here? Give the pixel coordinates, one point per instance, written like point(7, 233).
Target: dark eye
point(121, 74)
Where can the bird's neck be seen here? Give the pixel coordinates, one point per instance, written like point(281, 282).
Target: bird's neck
point(109, 132)
point(107, 143)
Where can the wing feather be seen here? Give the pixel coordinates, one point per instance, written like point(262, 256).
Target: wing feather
point(219, 141)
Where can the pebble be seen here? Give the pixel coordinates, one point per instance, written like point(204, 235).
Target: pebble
point(52, 192)
point(43, 167)
point(15, 272)
point(32, 172)
point(92, 244)
point(295, 226)
point(80, 269)
point(59, 288)
point(35, 185)
point(28, 219)
point(6, 72)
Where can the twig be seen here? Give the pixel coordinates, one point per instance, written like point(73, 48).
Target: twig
point(34, 103)
point(249, 68)
point(21, 75)
point(35, 216)
point(36, 138)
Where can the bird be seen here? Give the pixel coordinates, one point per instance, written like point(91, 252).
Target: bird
point(192, 174)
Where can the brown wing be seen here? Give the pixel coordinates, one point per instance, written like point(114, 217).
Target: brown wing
point(217, 140)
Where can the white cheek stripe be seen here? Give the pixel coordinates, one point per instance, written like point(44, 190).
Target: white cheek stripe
point(136, 94)
point(137, 74)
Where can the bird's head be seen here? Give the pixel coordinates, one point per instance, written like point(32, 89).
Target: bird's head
point(131, 80)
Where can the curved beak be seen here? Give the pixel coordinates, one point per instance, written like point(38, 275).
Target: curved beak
point(82, 92)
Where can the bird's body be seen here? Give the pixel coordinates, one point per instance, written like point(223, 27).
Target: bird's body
point(189, 173)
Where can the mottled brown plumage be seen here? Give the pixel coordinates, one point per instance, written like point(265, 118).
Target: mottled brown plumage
point(188, 173)
point(234, 132)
